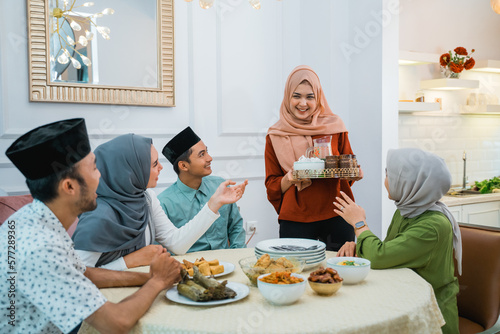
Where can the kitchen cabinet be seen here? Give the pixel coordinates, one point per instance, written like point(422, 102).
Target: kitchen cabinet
point(475, 209)
point(487, 214)
point(456, 211)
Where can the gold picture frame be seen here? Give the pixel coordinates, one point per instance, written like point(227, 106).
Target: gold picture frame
point(43, 90)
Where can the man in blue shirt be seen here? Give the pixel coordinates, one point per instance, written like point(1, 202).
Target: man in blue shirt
point(193, 188)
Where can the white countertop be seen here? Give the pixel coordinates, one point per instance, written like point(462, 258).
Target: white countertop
point(470, 199)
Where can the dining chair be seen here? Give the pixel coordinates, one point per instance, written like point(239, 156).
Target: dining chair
point(10, 204)
point(479, 296)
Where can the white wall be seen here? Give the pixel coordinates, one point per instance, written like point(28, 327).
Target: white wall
point(231, 63)
point(449, 134)
point(366, 64)
point(439, 26)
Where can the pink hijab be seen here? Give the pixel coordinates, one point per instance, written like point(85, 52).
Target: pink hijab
point(290, 134)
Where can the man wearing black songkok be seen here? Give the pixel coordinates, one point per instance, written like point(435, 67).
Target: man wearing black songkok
point(194, 187)
point(51, 289)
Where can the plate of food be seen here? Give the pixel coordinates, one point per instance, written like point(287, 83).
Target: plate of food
point(241, 290)
point(208, 268)
point(204, 291)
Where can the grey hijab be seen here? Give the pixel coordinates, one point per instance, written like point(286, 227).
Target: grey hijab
point(122, 214)
point(417, 181)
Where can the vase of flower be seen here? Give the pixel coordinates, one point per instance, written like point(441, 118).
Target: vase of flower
point(453, 63)
point(447, 73)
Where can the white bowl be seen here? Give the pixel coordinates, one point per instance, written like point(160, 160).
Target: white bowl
point(311, 165)
point(282, 294)
point(350, 274)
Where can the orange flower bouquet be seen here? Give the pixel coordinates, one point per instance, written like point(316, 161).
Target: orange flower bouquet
point(453, 63)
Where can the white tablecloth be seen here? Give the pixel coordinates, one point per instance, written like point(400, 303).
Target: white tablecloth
point(388, 301)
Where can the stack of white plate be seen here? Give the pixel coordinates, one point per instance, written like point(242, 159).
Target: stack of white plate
point(312, 251)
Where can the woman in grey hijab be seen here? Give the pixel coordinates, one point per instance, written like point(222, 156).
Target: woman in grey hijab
point(423, 234)
point(120, 233)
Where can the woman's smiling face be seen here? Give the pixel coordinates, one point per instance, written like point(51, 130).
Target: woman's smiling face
point(303, 102)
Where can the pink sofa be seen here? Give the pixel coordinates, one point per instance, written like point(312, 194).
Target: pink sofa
point(10, 204)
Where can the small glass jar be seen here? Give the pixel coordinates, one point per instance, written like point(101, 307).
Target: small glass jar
point(419, 97)
point(332, 161)
point(347, 161)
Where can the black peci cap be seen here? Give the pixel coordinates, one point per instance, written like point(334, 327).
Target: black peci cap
point(182, 142)
point(50, 148)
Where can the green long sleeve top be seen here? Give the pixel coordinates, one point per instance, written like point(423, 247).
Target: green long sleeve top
point(424, 244)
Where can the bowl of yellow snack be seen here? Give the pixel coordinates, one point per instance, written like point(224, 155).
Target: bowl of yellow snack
point(281, 288)
point(253, 267)
point(352, 269)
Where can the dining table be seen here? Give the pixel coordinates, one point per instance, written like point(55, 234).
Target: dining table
point(387, 301)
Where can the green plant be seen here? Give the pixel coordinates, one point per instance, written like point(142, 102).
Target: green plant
point(487, 186)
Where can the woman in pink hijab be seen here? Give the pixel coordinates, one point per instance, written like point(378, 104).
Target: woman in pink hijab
point(305, 207)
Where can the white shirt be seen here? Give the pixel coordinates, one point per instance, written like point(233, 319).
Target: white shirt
point(175, 240)
point(49, 290)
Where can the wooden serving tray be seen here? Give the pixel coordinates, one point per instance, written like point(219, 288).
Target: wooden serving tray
point(328, 173)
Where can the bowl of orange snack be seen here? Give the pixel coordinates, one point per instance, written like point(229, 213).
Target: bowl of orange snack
point(325, 281)
point(281, 288)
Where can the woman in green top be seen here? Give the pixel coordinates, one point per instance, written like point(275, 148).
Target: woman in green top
point(423, 232)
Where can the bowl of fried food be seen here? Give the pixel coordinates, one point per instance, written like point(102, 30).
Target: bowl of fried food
point(253, 267)
point(281, 288)
point(352, 269)
point(325, 281)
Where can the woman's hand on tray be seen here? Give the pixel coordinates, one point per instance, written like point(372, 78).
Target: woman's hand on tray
point(289, 180)
point(293, 180)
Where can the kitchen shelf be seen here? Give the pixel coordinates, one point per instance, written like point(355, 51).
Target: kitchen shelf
point(491, 66)
point(487, 109)
point(408, 107)
point(449, 84)
point(417, 58)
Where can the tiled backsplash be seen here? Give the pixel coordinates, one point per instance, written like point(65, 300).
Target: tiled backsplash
point(448, 137)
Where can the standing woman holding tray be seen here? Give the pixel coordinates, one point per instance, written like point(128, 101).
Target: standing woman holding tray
point(305, 207)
